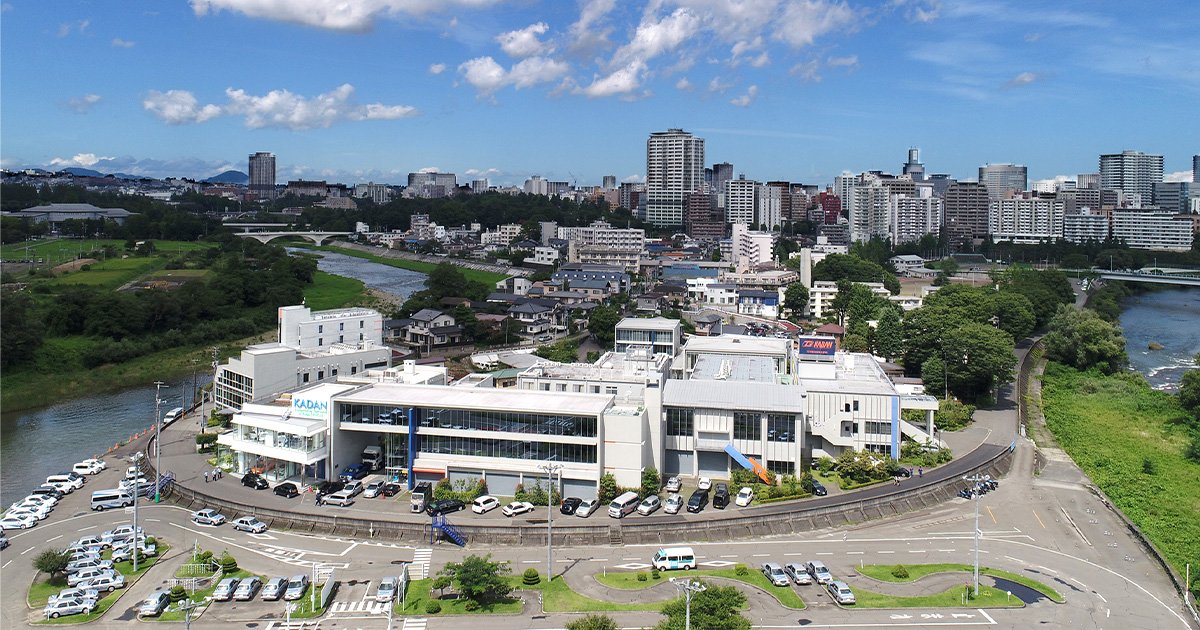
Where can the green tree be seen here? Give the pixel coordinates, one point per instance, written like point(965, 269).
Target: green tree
point(795, 298)
point(1189, 391)
point(52, 562)
point(651, 481)
point(850, 267)
point(479, 578)
point(979, 357)
point(593, 622)
point(561, 352)
point(1013, 313)
point(889, 335)
point(1082, 339)
point(22, 332)
point(608, 488)
point(714, 607)
point(603, 324)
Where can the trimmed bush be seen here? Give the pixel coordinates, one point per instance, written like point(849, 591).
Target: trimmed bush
point(471, 605)
point(530, 577)
point(177, 594)
point(432, 607)
point(654, 575)
point(641, 576)
point(741, 570)
point(150, 540)
point(900, 572)
point(227, 563)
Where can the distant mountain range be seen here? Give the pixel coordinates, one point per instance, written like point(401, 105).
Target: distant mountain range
point(229, 177)
point(87, 172)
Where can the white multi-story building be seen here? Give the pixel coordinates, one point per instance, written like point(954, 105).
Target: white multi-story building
point(768, 208)
point(600, 232)
point(659, 334)
point(740, 201)
point(914, 217)
point(674, 168)
point(1152, 228)
point(1087, 225)
point(750, 247)
point(535, 185)
point(1025, 220)
point(1132, 172)
point(869, 208)
point(503, 236)
point(378, 193)
point(625, 257)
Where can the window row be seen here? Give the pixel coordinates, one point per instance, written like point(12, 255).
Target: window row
point(483, 447)
point(680, 421)
point(473, 419)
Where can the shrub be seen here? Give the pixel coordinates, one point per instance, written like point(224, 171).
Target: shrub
point(150, 540)
point(900, 572)
point(178, 594)
point(741, 570)
point(227, 563)
point(432, 607)
point(641, 576)
point(471, 605)
point(530, 577)
point(654, 574)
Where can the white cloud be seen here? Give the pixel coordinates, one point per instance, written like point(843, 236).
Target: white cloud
point(716, 85)
point(747, 98)
point(684, 84)
point(761, 60)
point(117, 42)
point(437, 68)
point(337, 15)
point(1025, 78)
point(83, 103)
point(634, 179)
point(524, 42)
point(86, 160)
point(6, 7)
point(589, 33)
point(655, 36)
point(807, 70)
point(622, 81)
point(429, 169)
point(488, 76)
point(277, 108)
point(1178, 176)
point(803, 21)
point(848, 61)
point(65, 28)
point(178, 107)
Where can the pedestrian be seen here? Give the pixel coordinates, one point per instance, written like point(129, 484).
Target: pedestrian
point(318, 501)
point(206, 476)
point(920, 472)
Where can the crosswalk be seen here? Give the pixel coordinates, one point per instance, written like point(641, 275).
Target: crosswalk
point(421, 560)
point(360, 607)
point(411, 623)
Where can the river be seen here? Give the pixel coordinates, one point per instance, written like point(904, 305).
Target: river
point(40, 442)
point(1170, 318)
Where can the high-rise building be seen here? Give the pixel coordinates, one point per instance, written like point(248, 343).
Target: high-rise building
point(914, 217)
point(913, 167)
point(610, 182)
point(768, 207)
point(703, 219)
point(630, 196)
point(721, 173)
point(1132, 172)
point(739, 199)
point(1025, 220)
point(262, 175)
point(674, 168)
point(1172, 196)
point(830, 205)
point(966, 213)
point(1087, 180)
point(867, 205)
point(431, 185)
point(1087, 225)
point(1003, 179)
point(1196, 170)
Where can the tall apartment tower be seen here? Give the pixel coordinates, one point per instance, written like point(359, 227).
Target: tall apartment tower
point(674, 168)
point(1196, 170)
point(965, 213)
point(1002, 179)
point(722, 173)
point(1132, 172)
point(913, 167)
point(262, 175)
point(610, 182)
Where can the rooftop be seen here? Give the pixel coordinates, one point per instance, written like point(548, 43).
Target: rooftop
point(338, 313)
point(648, 323)
point(737, 344)
point(738, 394)
point(613, 366)
point(717, 367)
point(853, 373)
point(473, 398)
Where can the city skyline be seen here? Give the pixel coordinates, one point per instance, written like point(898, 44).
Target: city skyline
point(784, 90)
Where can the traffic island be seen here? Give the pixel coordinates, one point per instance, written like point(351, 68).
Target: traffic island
point(785, 595)
point(913, 572)
point(41, 589)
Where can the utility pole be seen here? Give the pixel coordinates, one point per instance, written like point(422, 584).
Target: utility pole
point(187, 614)
point(550, 469)
point(157, 437)
point(137, 461)
point(688, 587)
point(976, 495)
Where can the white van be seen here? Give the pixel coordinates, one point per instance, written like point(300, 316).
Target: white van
point(75, 482)
point(622, 505)
point(171, 416)
point(108, 499)
point(669, 558)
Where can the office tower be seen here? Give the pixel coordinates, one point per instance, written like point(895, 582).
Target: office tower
point(536, 185)
point(431, 185)
point(1025, 220)
point(1132, 172)
point(1087, 180)
point(262, 175)
point(1172, 196)
point(674, 167)
point(479, 186)
point(914, 217)
point(739, 198)
point(965, 212)
point(1002, 179)
point(913, 167)
point(721, 173)
point(610, 182)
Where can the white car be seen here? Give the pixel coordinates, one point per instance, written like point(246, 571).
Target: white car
point(744, 497)
point(517, 507)
point(387, 589)
point(373, 489)
point(586, 508)
point(484, 504)
point(97, 464)
point(35, 513)
point(87, 575)
point(40, 499)
point(249, 524)
point(75, 566)
point(840, 592)
point(117, 533)
point(107, 582)
point(673, 504)
point(705, 483)
point(208, 516)
point(70, 607)
point(673, 485)
point(124, 553)
point(74, 593)
point(17, 522)
point(649, 505)
point(65, 487)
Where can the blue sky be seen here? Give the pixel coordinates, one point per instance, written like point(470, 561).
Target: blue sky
point(795, 90)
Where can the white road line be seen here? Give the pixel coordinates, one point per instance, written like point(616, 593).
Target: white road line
point(759, 555)
point(599, 559)
point(530, 561)
point(1045, 568)
point(946, 550)
point(885, 552)
point(984, 613)
point(634, 558)
point(227, 538)
point(153, 520)
point(6, 564)
point(27, 551)
point(1101, 598)
point(916, 551)
point(786, 554)
point(53, 539)
point(349, 549)
point(854, 553)
point(728, 556)
point(824, 553)
point(84, 529)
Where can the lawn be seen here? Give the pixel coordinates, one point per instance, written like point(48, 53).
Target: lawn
point(485, 277)
point(883, 573)
point(1130, 440)
point(59, 250)
point(41, 590)
point(951, 598)
point(558, 596)
point(420, 594)
point(331, 291)
point(786, 595)
point(112, 273)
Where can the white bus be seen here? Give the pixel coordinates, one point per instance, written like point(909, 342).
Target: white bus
point(669, 558)
point(106, 499)
point(171, 416)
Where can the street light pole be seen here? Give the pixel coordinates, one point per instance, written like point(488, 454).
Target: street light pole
point(975, 494)
point(689, 588)
point(157, 436)
point(137, 461)
point(550, 468)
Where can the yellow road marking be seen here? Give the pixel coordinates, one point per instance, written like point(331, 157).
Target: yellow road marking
point(989, 509)
point(1039, 519)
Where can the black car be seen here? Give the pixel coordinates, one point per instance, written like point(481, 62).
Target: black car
point(391, 489)
point(287, 490)
point(329, 487)
point(569, 505)
point(819, 489)
point(445, 506)
point(721, 496)
point(252, 480)
point(901, 471)
point(697, 501)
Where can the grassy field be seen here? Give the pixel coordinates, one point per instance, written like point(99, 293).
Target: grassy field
point(485, 277)
point(951, 598)
point(59, 250)
point(420, 594)
point(786, 596)
point(883, 573)
point(1130, 440)
point(112, 273)
point(330, 291)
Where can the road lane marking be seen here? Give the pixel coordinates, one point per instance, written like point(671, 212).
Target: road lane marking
point(946, 550)
point(53, 539)
point(530, 561)
point(854, 553)
point(1039, 519)
point(599, 559)
point(786, 554)
point(153, 520)
point(6, 564)
point(989, 509)
point(1101, 598)
point(27, 551)
point(885, 552)
point(729, 556)
point(759, 555)
point(634, 558)
point(824, 553)
point(916, 551)
point(84, 529)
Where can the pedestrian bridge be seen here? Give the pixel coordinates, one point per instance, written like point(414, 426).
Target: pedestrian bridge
point(317, 238)
point(1155, 275)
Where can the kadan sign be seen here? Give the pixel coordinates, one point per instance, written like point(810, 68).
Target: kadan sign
point(310, 408)
point(824, 346)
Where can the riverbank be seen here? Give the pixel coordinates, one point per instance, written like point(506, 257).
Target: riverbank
point(487, 277)
point(1129, 440)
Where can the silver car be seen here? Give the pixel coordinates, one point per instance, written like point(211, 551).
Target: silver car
point(247, 589)
point(775, 574)
point(798, 573)
point(296, 587)
point(68, 594)
point(387, 589)
point(249, 524)
point(225, 589)
point(274, 588)
point(153, 605)
point(108, 582)
point(70, 607)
